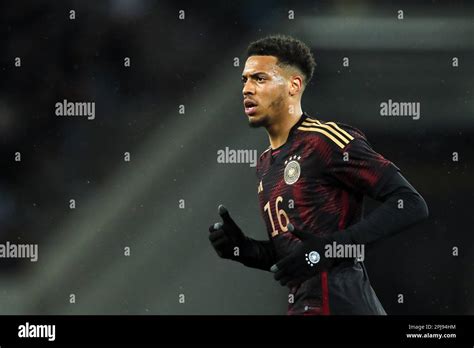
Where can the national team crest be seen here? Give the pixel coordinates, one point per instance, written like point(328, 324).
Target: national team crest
point(292, 170)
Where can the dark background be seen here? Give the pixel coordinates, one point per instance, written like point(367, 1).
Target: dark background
point(174, 156)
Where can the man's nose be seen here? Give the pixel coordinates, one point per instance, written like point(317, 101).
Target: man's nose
point(248, 89)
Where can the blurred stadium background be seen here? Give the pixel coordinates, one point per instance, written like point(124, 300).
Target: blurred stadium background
point(173, 156)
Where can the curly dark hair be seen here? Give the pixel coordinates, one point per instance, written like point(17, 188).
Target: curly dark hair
point(288, 50)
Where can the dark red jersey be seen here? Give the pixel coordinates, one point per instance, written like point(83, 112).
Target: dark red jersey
point(317, 181)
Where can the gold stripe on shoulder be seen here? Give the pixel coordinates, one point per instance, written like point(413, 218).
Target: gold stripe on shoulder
point(308, 119)
point(350, 137)
point(330, 129)
point(322, 131)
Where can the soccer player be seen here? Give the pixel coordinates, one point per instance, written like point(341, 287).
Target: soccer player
point(311, 183)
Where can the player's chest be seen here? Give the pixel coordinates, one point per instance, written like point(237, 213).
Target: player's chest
point(291, 174)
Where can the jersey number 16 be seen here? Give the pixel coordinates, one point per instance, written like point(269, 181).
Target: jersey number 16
point(279, 213)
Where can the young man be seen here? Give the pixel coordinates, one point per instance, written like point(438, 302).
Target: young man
point(311, 184)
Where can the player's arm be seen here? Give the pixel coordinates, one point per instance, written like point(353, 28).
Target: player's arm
point(402, 207)
point(357, 168)
point(231, 243)
point(369, 173)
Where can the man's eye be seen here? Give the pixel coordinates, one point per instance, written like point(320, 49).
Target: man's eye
point(260, 79)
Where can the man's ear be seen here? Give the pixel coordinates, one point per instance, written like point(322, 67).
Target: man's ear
point(296, 85)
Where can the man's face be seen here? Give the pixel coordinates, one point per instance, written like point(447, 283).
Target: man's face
point(265, 90)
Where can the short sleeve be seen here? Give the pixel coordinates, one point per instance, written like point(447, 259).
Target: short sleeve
point(359, 168)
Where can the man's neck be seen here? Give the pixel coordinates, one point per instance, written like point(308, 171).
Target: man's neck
point(278, 132)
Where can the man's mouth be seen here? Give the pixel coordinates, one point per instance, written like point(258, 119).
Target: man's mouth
point(250, 107)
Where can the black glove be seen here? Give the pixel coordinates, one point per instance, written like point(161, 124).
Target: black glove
point(225, 236)
point(305, 261)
